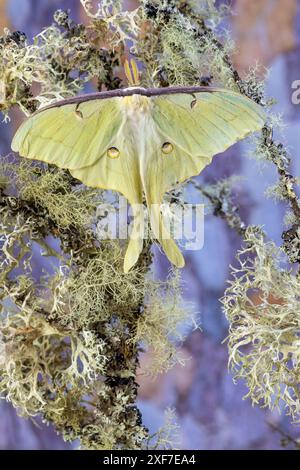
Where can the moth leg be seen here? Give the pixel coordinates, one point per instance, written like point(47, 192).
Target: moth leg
point(77, 111)
point(194, 101)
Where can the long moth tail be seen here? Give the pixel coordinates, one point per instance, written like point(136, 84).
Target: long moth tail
point(172, 251)
point(136, 241)
point(135, 245)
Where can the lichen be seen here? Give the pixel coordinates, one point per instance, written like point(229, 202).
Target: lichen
point(51, 189)
point(168, 436)
point(69, 338)
point(160, 329)
point(40, 363)
point(262, 306)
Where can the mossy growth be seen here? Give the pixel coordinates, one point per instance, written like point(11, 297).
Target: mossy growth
point(69, 337)
point(262, 306)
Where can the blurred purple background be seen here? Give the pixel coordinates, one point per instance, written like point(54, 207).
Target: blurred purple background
point(210, 408)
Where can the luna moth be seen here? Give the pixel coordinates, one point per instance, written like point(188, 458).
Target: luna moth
point(140, 142)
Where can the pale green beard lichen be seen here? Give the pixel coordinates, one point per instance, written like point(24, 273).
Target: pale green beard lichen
point(263, 308)
point(41, 365)
point(67, 337)
point(52, 190)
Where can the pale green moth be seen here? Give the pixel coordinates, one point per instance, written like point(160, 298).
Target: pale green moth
point(140, 142)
